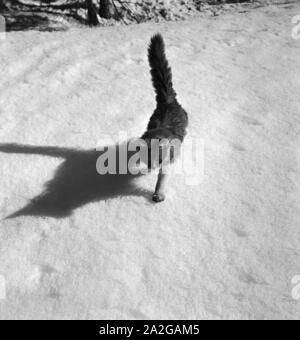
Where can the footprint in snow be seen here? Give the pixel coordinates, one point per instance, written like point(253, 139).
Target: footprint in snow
point(251, 121)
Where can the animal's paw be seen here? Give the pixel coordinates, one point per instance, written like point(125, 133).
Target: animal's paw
point(158, 198)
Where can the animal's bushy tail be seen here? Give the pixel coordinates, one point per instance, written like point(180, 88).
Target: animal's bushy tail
point(161, 71)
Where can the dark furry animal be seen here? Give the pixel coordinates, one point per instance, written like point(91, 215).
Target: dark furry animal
point(169, 121)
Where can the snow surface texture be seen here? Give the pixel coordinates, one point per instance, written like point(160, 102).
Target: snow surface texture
point(227, 248)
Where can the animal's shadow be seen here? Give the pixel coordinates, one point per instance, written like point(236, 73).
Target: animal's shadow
point(76, 182)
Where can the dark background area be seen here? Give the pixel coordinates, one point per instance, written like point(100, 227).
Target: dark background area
point(61, 14)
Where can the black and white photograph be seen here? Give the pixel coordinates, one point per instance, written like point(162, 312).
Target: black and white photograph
point(149, 162)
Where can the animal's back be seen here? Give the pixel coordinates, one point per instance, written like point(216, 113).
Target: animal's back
point(169, 114)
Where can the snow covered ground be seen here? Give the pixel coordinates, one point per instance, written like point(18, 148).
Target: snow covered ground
point(227, 248)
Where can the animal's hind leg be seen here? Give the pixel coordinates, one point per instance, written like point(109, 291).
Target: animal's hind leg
point(160, 195)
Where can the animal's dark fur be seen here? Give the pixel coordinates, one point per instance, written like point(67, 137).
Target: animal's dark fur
point(169, 120)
